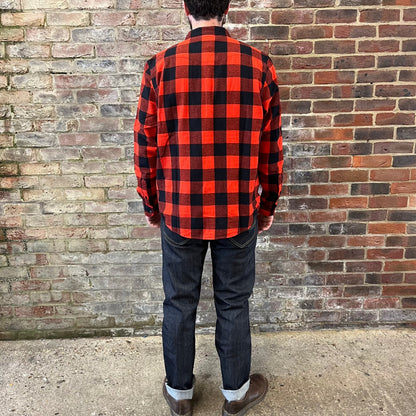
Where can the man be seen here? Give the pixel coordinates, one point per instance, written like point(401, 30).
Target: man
point(207, 139)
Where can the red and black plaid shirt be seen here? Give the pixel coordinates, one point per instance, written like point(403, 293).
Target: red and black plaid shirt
point(207, 134)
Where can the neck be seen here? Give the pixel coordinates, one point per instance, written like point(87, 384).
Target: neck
point(195, 24)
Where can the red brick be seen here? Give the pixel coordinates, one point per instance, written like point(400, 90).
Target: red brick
point(403, 188)
point(379, 46)
point(291, 48)
point(350, 31)
point(395, 90)
point(333, 106)
point(365, 241)
point(332, 189)
point(409, 303)
point(387, 228)
point(363, 266)
point(331, 162)
point(311, 32)
point(350, 62)
point(334, 46)
point(327, 241)
point(399, 290)
point(409, 15)
point(375, 105)
point(395, 119)
point(388, 202)
point(349, 176)
point(311, 93)
point(345, 279)
point(336, 16)
point(346, 254)
point(372, 161)
point(333, 134)
point(293, 78)
point(385, 278)
point(387, 253)
point(344, 120)
point(390, 175)
point(35, 311)
point(407, 76)
point(395, 31)
point(348, 202)
point(312, 63)
point(381, 303)
point(410, 278)
point(379, 15)
point(376, 76)
point(334, 77)
point(287, 17)
point(269, 32)
point(335, 216)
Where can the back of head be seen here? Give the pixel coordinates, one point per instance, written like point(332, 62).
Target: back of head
point(207, 9)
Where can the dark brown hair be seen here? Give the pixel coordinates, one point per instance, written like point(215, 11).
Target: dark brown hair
point(207, 9)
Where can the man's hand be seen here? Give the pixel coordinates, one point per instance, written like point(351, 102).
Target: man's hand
point(154, 220)
point(264, 222)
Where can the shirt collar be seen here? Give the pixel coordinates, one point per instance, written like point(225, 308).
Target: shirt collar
point(207, 30)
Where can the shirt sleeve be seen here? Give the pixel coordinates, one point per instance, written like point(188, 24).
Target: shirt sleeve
point(271, 147)
point(145, 143)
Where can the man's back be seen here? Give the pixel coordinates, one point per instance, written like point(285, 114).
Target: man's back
point(211, 104)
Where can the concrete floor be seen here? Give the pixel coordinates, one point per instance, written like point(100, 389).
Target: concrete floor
point(319, 373)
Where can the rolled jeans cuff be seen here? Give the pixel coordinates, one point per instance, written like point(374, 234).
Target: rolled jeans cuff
point(180, 394)
point(232, 395)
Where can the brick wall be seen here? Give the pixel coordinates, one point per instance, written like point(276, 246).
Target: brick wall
point(76, 256)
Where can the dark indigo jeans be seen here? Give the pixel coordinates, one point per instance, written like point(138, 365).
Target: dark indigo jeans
point(233, 263)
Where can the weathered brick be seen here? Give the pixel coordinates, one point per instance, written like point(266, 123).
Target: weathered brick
point(44, 4)
point(74, 18)
point(351, 31)
point(336, 16)
point(396, 61)
point(53, 34)
point(28, 50)
point(269, 32)
point(72, 50)
point(401, 161)
point(334, 46)
point(374, 133)
point(405, 31)
point(347, 228)
point(367, 215)
point(311, 32)
point(92, 4)
point(113, 19)
point(288, 17)
point(23, 19)
point(379, 15)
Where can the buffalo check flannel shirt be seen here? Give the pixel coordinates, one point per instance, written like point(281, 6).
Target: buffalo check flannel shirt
point(207, 134)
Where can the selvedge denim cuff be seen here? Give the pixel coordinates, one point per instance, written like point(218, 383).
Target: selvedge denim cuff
point(231, 395)
point(180, 394)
